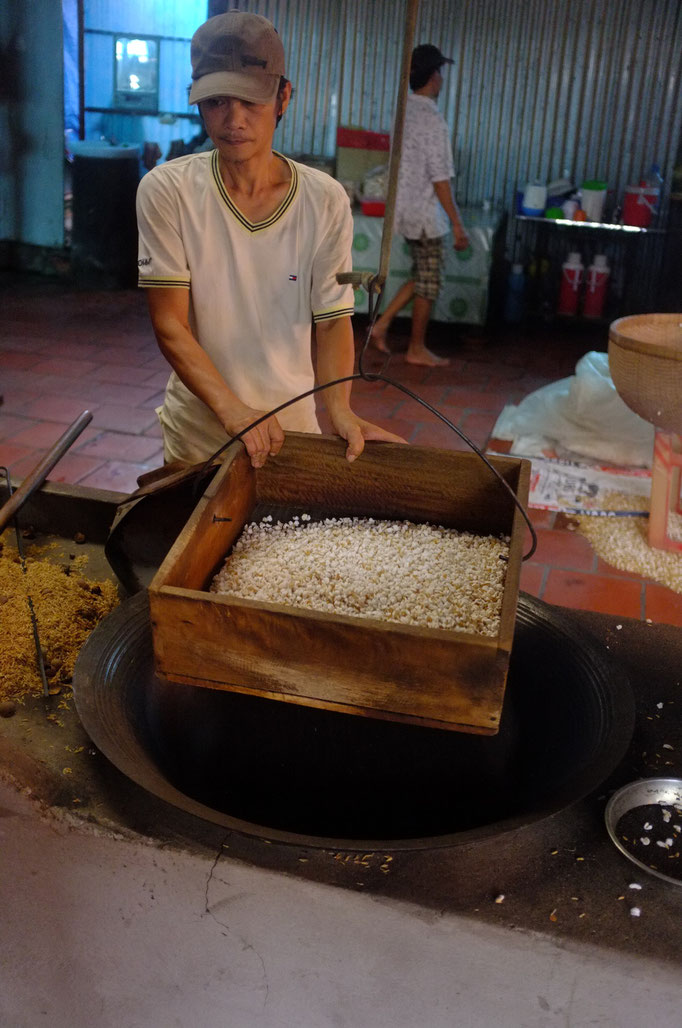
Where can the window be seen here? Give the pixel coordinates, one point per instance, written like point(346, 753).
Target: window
point(136, 73)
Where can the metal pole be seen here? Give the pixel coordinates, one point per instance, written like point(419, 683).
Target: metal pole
point(36, 477)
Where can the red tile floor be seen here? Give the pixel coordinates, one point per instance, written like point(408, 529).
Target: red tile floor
point(64, 350)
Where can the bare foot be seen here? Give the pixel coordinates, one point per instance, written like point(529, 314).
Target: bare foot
point(379, 339)
point(425, 359)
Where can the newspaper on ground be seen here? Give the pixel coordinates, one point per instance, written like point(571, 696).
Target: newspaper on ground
point(573, 487)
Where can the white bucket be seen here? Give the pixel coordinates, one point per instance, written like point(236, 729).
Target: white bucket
point(534, 199)
point(593, 201)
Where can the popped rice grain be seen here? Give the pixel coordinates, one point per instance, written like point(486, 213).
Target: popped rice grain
point(394, 571)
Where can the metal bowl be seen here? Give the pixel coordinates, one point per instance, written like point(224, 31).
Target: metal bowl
point(663, 791)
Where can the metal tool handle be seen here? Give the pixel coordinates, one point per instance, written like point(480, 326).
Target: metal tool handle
point(374, 283)
point(397, 141)
point(36, 477)
point(365, 279)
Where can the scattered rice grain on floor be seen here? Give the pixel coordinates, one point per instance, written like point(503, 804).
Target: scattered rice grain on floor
point(623, 542)
point(393, 571)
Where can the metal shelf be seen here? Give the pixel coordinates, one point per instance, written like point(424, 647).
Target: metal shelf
point(592, 225)
point(633, 279)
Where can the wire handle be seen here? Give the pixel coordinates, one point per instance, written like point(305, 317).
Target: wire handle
point(374, 377)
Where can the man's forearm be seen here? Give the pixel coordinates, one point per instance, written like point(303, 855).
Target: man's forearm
point(335, 359)
point(169, 309)
point(447, 202)
point(189, 361)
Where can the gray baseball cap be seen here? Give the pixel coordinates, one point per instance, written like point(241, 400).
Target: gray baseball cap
point(236, 54)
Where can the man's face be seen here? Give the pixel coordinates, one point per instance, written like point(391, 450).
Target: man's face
point(241, 130)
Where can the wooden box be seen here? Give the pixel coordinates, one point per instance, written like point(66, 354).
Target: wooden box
point(433, 677)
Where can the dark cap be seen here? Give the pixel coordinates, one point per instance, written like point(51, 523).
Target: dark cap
point(428, 58)
point(236, 54)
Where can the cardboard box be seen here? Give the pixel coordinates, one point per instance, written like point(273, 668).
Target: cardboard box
point(358, 152)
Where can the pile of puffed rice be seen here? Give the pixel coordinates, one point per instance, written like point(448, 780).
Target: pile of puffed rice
point(393, 571)
point(624, 542)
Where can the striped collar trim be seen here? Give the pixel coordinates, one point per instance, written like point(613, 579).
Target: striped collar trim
point(276, 215)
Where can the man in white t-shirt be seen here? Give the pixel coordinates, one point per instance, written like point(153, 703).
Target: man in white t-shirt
point(425, 207)
point(239, 251)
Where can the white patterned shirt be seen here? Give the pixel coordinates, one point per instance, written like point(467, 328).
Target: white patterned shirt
point(426, 158)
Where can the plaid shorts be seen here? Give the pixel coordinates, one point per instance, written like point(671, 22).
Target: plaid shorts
point(427, 261)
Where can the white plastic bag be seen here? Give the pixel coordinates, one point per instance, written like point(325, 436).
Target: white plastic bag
point(579, 416)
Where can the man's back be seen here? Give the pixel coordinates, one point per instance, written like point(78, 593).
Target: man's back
point(426, 158)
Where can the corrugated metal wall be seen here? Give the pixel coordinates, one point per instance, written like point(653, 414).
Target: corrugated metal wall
point(592, 86)
point(537, 87)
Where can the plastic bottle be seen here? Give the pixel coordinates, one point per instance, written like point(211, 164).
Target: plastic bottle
point(596, 282)
point(514, 302)
point(655, 181)
point(534, 199)
point(572, 271)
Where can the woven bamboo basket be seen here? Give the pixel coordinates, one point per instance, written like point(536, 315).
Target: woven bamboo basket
point(645, 360)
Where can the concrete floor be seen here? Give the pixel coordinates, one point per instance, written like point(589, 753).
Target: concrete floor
point(103, 931)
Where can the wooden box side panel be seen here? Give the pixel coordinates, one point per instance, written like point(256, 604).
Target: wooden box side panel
point(323, 661)
point(391, 481)
point(212, 528)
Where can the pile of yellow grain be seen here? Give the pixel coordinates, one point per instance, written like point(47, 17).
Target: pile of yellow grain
point(623, 541)
point(67, 607)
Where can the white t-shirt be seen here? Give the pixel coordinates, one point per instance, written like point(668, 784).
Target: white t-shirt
point(426, 158)
point(255, 289)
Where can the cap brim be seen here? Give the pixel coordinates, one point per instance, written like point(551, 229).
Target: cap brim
point(261, 89)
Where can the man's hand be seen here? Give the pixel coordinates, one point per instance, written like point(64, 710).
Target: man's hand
point(447, 201)
point(461, 241)
point(264, 441)
point(356, 431)
point(169, 309)
point(335, 356)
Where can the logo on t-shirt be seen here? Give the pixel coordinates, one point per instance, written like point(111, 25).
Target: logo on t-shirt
point(292, 278)
point(144, 261)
